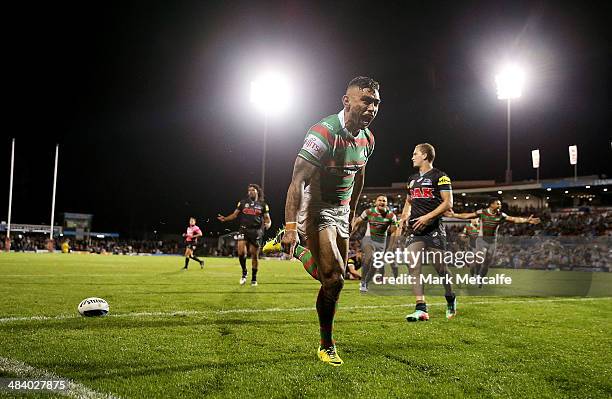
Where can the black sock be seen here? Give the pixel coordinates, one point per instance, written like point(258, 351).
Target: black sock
point(395, 271)
point(186, 262)
point(195, 258)
point(450, 299)
point(421, 306)
point(242, 260)
point(254, 275)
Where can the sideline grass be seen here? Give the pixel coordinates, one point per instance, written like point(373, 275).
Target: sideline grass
point(540, 348)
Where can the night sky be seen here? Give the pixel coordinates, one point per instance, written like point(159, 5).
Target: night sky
point(150, 101)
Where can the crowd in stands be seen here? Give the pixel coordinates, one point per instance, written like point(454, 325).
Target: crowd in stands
point(539, 246)
point(562, 241)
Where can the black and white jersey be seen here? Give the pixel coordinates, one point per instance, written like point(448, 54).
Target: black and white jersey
point(424, 191)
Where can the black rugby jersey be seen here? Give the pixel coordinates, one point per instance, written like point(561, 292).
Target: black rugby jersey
point(251, 213)
point(425, 195)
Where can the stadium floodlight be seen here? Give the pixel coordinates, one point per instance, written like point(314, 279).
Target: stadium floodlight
point(270, 94)
point(509, 83)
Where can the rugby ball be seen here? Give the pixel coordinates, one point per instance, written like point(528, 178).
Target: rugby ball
point(93, 307)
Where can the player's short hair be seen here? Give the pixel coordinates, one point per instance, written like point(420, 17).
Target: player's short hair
point(382, 195)
point(492, 200)
point(260, 193)
point(192, 217)
point(363, 82)
point(428, 150)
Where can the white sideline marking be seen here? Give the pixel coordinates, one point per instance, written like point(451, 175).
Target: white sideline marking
point(74, 389)
point(275, 310)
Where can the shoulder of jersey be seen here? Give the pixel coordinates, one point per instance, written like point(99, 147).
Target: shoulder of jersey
point(331, 123)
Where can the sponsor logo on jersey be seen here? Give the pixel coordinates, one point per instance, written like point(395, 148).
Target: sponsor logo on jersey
point(251, 211)
point(426, 182)
point(328, 126)
point(444, 180)
point(423, 192)
point(420, 178)
point(314, 146)
point(411, 184)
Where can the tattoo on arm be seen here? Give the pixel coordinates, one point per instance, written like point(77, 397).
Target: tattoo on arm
point(302, 172)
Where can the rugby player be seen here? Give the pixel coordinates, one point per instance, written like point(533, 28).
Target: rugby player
point(430, 196)
point(470, 232)
point(490, 219)
point(253, 215)
point(191, 242)
point(381, 221)
point(328, 176)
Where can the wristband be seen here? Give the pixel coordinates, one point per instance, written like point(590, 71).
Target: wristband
point(291, 226)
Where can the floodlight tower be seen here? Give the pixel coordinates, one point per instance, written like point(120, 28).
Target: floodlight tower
point(509, 83)
point(270, 94)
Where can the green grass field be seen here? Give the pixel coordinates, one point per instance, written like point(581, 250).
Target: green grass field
point(173, 334)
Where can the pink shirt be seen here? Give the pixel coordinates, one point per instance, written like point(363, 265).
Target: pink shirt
point(191, 231)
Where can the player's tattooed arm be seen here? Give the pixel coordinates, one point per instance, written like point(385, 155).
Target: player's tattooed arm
point(302, 173)
point(358, 186)
point(530, 219)
point(446, 205)
point(228, 218)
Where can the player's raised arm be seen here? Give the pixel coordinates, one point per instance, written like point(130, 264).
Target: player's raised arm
point(230, 217)
point(518, 220)
point(302, 172)
point(469, 215)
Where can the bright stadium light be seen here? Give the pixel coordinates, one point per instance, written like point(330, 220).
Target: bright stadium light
point(509, 83)
point(270, 94)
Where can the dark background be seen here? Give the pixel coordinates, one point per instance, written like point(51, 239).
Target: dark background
point(150, 101)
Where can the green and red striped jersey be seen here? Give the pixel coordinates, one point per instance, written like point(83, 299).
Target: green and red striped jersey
point(489, 222)
point(339, 156)
point(378, 223)
point(471, 231)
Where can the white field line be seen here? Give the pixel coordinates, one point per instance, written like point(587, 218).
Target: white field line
point(280, 310)
point(73, 389)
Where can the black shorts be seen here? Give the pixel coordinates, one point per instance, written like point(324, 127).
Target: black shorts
point(432, 237)
point(191, 245)
point(252, 236)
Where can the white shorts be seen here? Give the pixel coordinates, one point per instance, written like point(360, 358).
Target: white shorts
point(321, 215)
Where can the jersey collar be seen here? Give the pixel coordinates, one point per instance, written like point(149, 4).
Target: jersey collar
point(421, 175)
point(344, 130)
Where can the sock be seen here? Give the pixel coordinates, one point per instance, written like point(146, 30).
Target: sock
point(326, 309)
point(254, 275)
point(242, 260)
point(395, 271)
point(195, 258)
point(304, 255)
point(186, 262)
point(421, 306)
point(450, 299)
